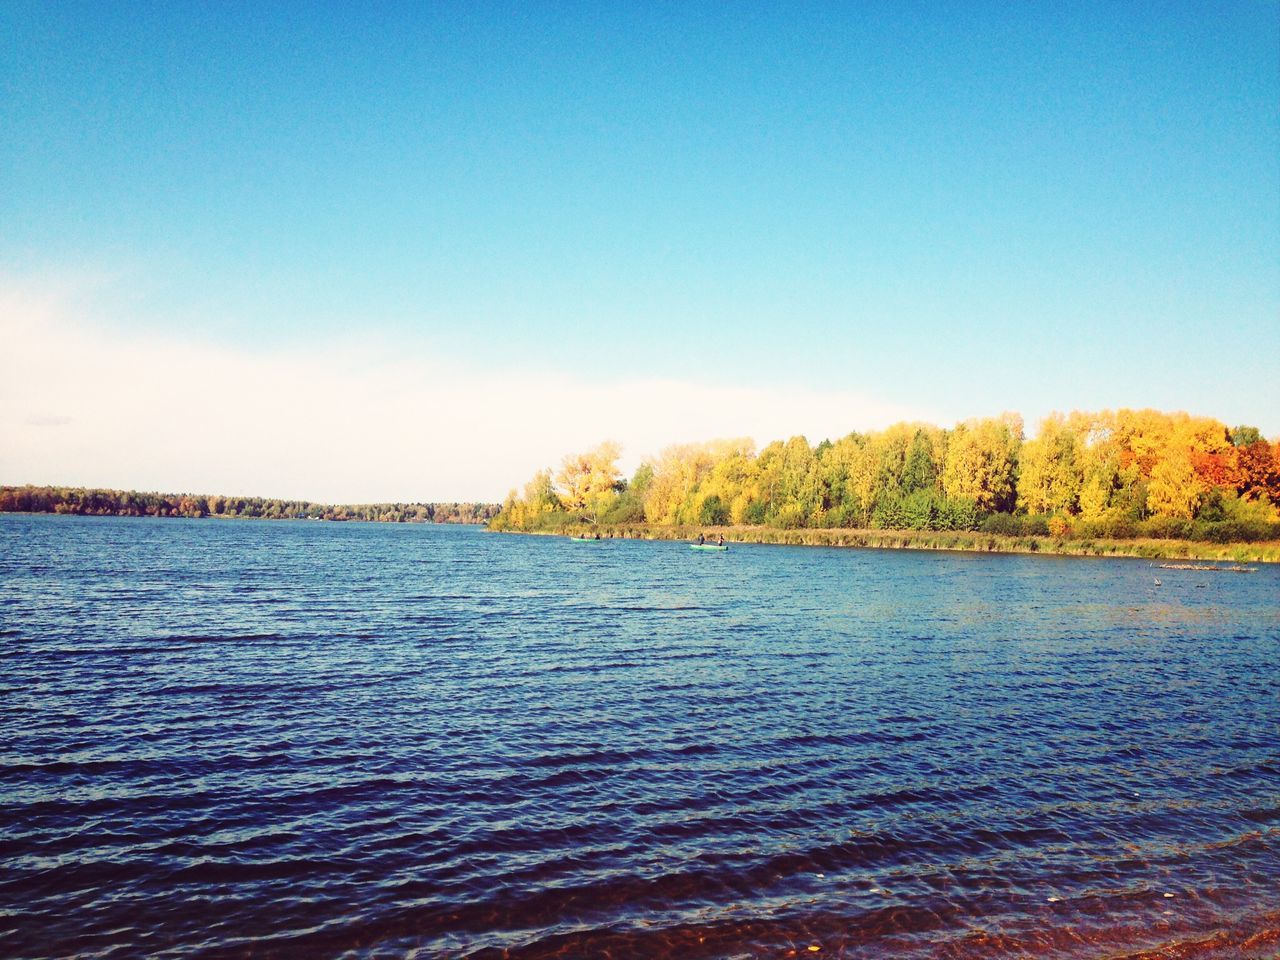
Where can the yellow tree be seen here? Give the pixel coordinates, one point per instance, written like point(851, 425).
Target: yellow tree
point(731, 487)
point(1175, 490)
point(864, 469)
point(801, 486)
point(981, 456)
point(1100, 478)
point(537, 499)
point(1143, 436)
point(677, 474)
point(673, 476)
point(1050, 477)
point(769, 470)
point(715, 463)
point(540, 494)
point(1097, 455)
point(588, 482)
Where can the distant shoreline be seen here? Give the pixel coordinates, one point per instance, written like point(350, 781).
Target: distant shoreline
point(106, 502)
point(227, 518)
point(961, 541)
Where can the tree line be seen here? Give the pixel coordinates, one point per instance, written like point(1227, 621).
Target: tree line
point(1121, 474)
point(130, 503)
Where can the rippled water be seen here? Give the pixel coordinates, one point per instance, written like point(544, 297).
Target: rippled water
point(306, 739)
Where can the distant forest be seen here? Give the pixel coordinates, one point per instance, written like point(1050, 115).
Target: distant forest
point(1113, 474)
point(129, 503)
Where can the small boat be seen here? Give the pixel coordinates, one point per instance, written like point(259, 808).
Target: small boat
point(708, 546)
point(584, 539)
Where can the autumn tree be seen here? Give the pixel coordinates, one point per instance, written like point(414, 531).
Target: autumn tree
point(1259, 466)
point(863, 471)
point(730, 493)
point(801, 487)
point(981, 459)
point(588, 482)
point(1175, 489)
point(1050, 476)
point(677, 474)
point(1111, 469)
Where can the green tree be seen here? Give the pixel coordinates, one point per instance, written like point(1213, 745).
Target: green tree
point(1243, 436)
point(919, 471)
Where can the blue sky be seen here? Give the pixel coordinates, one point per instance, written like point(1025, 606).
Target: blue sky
point(949, 210)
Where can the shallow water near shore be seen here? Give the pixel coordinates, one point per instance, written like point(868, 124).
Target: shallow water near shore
point(227, 739)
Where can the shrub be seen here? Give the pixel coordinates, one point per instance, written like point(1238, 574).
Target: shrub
point(1112, 525)
point(959, 514)
point(1119, 527)
point(627, 508)
point(1166, 528)
point(919, 511)
point(888, 513)
point(790, 517)
point(1237, 531)
point(713, 512)
point(836, 517)
point(1222, 504)
point(1036, 525)
point(1002, 524)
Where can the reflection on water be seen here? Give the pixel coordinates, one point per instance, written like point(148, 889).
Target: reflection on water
point(291, 739)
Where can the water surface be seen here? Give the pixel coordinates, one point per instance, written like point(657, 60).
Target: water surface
point(226, 739)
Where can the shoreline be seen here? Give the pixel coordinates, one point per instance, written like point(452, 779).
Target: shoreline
point(963, 541)
point(229, 517)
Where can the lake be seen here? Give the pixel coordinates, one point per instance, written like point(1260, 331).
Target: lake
point(277, 739)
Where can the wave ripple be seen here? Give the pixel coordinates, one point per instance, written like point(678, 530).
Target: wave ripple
point(289, 739)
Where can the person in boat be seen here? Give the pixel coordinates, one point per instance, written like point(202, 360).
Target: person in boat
point(597, 534)
point(720, 541)
point(701, 539)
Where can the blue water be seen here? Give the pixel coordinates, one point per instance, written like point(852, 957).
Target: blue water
point(277, 739)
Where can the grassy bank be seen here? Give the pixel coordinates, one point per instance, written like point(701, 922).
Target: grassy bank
point(972, 541)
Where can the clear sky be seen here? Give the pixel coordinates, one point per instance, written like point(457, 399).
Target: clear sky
point(417, 251)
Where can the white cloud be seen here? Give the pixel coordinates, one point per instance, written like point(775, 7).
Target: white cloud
point(348, 422)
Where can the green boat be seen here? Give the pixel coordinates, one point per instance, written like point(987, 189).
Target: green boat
point(584, 539)
point(707, 546)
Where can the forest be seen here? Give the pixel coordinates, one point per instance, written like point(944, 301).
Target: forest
point(1112, 474)
point(129, 503)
